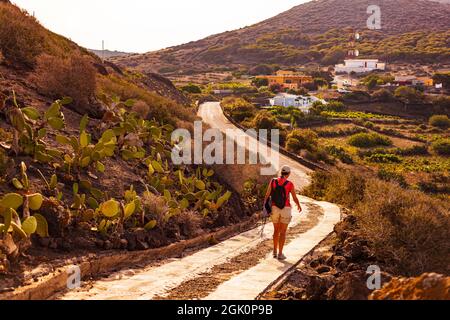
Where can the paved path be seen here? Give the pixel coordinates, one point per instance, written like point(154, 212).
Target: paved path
point(250, 283)
point(150, 282)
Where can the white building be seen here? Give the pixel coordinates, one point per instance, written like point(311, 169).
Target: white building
point(304, 103)
point(359, 66)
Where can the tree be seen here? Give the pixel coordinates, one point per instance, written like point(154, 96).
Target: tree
point(320, 82)
point(408, 94)
point(265, 120)
point(275, 88)
point(300, 139)
point(383, 95)
point(371, 84)
point(260, 82)
point(191, 88)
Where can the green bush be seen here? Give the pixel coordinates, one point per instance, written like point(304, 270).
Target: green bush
point(384, 158)
point(383, 95)
point(239, 109)
point(441, 147)
point(191, 88)
point(440, 121)
point(408, 94)
point(260, 82)
point(413, 151)
point(265, 120)
point(340, 153)
point(369, 140)
point(300, 139)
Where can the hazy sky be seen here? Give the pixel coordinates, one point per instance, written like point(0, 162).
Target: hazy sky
point(145, 25)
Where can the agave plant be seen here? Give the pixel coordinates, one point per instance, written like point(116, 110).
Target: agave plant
point(30, 128)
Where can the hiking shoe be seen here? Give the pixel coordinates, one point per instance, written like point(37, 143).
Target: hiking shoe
point(275, 255)
point(281, 257)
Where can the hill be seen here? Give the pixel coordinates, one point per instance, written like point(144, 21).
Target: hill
point(317, 31)
point(85, 155)
point(108, 53)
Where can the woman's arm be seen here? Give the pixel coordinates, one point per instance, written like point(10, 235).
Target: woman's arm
point(268, 192)
point(297, 202)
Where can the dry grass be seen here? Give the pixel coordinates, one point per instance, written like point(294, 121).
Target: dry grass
point(74, 77)
point(407, 230)
point(159, 107)
point(21, 36)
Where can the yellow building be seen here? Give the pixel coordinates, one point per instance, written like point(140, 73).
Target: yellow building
point(288, 79)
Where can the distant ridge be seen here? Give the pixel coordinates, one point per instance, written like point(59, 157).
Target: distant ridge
point(316, 31)
point(108, 53)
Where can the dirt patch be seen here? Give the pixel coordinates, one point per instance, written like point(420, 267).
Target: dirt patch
point(206, 283)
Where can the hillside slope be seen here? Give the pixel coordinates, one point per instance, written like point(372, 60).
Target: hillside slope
point(85, 156)
point(317, 31)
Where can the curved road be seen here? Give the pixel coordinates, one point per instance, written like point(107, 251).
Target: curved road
point(158, 280)
point(212, 114)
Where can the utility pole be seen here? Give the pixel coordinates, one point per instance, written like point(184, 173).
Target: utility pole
point(103, 50)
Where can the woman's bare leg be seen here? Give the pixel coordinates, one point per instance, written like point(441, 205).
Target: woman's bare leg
point(276, 236)
point(282, 237)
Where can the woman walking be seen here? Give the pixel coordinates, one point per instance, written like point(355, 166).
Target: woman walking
point(280, 191)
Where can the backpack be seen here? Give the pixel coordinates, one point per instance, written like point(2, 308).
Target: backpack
point(279, 196)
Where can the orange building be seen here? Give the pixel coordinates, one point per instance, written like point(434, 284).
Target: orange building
point(288, 79)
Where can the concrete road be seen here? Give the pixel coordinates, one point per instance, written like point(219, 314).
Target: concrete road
point(212, 114)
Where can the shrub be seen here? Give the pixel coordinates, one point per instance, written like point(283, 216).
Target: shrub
point(21, 36)
point(265, 120)
point(407, 230)
point(191, 88)
point(161, 108)
point(260, 82)
point(440, 121)
point(384, 158)
point(340, 153)
point(74, 77)
point(408, 94)
point(369, 124)
point(369, 140)
point(275, 88)
point(300, 139)
point(383, 95)
point(441, 147)
point(335, 106)
point(413, 151)
point(238, 108)
point(141, 108)
point(392, 176)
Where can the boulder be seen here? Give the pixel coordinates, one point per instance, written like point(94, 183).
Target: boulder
point(350, 286)
point(429, 286)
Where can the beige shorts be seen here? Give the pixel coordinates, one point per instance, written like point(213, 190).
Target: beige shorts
point(281, 215)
